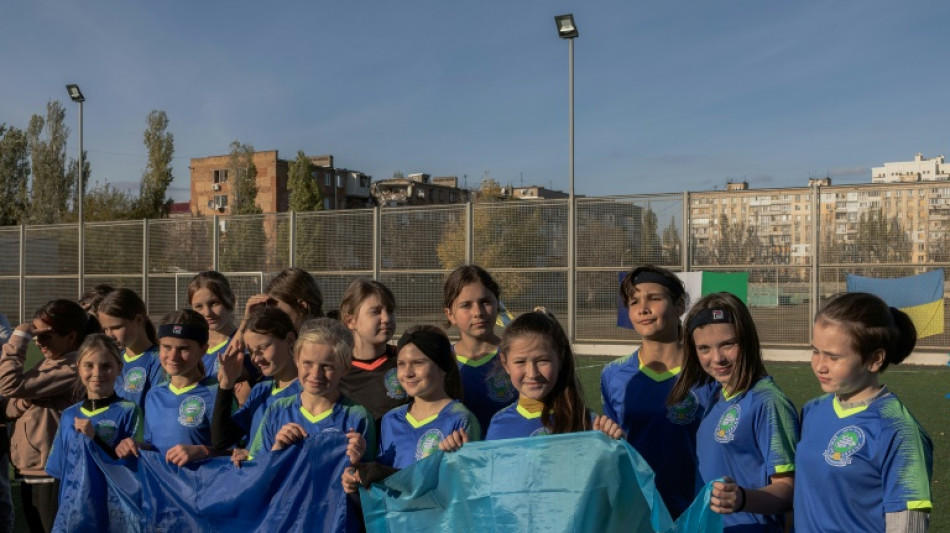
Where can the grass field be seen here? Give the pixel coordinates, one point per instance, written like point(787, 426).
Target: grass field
point(921, 388)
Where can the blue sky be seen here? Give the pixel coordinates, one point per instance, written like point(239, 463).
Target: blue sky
point(669, 96)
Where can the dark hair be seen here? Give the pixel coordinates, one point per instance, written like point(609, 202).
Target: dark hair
point(748, 368)
point(297, 288)
point(91, 298)
point(361, 289)
point(462, 277)
point(564, 410)
point(190, 318)
point(271, 321)
point(453, 378)
point(215, 282)
point(673, 284)
point(126, 304)
point(65, 317)
point(872, 326)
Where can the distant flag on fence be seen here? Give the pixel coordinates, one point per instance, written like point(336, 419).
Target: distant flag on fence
point(919, 296)
point(504, 316)
point(698, 284)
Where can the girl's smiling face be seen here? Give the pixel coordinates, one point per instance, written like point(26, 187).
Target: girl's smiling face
point(179, 357)
point(97, 371)
point(319, 370)
point(421, 377)
point(271, 354)
point(652, 311)
point(212, 308)
point(718, 350)
point(533, 366)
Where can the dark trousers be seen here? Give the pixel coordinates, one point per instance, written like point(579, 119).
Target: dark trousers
point(40, 503)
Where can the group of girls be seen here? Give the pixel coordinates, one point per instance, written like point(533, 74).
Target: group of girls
point(695, 399)
point(697, 403)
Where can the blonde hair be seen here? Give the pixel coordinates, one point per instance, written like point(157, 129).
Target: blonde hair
point(330, 333)
point(100, 342)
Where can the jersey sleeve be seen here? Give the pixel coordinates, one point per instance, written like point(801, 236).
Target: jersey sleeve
point(135, 424)
point(606, 396)
point(472, 427)
point(387, 446)
point(777, 433)
point(266, 433)
point(367, 427)
point(908, 465)
point(57, 460)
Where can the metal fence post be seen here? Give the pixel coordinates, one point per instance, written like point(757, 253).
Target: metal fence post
point(571, 265)
point(377, 241)
point(686, 233)
point(145, 262)
point(293, 238)
point(469, 233)
point(22, 296)
point(815, 250)
point(215, 238)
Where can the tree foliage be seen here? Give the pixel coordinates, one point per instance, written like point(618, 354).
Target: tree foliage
point(157, 177)
point(105, 202)
point(52, 184)
point(14, 175)
point(243, 239)
point(241, 166)
point(672, 244)
point(879, 239)
point(305, 192)
point(736, 244)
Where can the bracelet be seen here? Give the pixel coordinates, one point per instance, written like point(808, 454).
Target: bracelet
point(741, 507)
point(21, 333)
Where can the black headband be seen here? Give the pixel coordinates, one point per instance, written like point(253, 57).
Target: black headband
point(647, 276)
point(709, 316)
point(436, 347)
point(183, 331)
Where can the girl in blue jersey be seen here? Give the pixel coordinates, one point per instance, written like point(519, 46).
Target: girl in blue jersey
point(322, 355)
point(537, 355)
point(178, 413)
point(470, 303)
point(750, 430)
point(270, 338)
point(368, 310)
point(124, 318)
point(102, 415)
point(864, 462)
point(210, 295)
point(429, 374)
point(634, 388)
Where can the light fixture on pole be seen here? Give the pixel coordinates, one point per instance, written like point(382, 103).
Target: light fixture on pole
point(566, 29)
point(76, 96)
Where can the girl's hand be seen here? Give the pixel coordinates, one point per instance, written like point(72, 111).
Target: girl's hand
point(230, 367)
point(454, 440)
point(238, 456)
point(356, 446)
point(182, 454)
point(255, 301)
point(350, 480)
point(608, 426)
point(725, 496)
point(288, 435)
point(85, 426)
point(26, 327)
point(127, 448)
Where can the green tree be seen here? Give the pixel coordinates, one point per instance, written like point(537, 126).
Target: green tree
point(877, 239)
point(649, 251)
point(243, 239)
point(14, 175)
point(737, 244)
point(152, 202)
point(105, 202)
point(305, 192)
point(241, 166)
point(52, 184)
point(672, 245)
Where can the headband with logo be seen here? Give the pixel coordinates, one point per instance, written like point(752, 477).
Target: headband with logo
point(709, 316)
point(646, 276)
point(183, 331)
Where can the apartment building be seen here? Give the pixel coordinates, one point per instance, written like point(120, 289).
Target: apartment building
point(418, 189)
point(920, 169)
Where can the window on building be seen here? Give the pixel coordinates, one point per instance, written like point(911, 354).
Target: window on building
point(220, 201)
point(220, 176)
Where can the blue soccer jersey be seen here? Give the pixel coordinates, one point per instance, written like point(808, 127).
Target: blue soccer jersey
point(265, 393)
point(140, 373)
point(403, 440)
point(853, 466)
point(180, 416)
point(343, 416)
point(114, 422)
point(210, 358)
point(750, 437)
point(514, 422)
point(487, 386)
point(634, 396)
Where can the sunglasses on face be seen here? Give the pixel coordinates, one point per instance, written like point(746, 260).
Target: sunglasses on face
point(45, 336)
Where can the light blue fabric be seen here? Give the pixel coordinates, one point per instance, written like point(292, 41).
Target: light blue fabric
point(575, 482)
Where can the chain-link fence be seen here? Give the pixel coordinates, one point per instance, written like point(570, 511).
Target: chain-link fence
point(797, 246)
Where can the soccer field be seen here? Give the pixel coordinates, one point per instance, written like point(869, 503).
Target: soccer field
point(922, 389)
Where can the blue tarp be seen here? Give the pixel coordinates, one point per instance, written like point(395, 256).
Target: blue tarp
point(573, 482)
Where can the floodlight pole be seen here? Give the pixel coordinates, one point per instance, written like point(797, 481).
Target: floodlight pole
point(76, 96)
point(567, 29)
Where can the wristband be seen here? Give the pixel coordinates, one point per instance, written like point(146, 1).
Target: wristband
point(741, 507)
point(24, 334)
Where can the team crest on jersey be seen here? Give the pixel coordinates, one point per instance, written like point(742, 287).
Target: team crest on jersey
point(499, 387)
point(134, 381)
point(393, 389)
point(843, 445)
point(428, 443)
point(191, 411)
point(541, 431)
point(684, 412)
point(728, 422)
point(107, 430)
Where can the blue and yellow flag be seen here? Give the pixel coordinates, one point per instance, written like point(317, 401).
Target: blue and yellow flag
point(919, 296)
point(571, 482)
